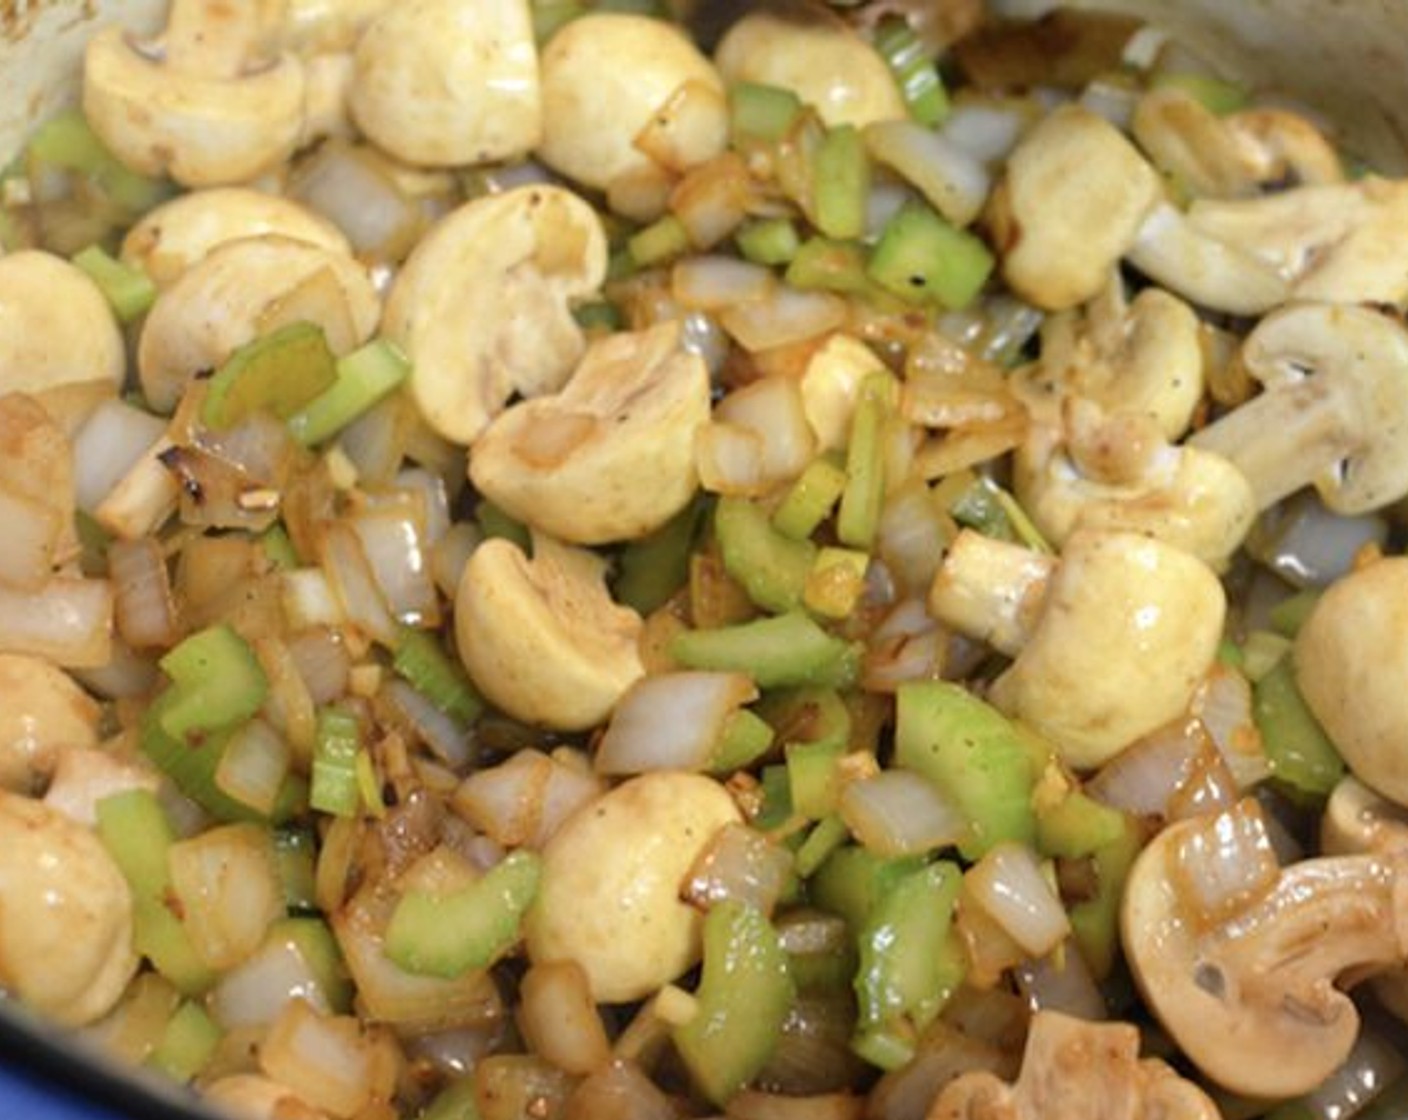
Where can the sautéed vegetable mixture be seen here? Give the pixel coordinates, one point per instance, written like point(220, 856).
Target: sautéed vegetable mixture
point(601, 560)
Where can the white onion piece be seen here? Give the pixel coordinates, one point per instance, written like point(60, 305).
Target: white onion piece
point(435, 729)
point(986, 130)
point(1112, 100)
point(944, 1054)
point(69, 621)
point(523, 801)
point(729, 458)
point(912, 536)
point(252, 994)
point(671, 721)
point(450, 554)
point(309, 600)
point(711, 283)
point(226, 881)
point(917, 657)
point(899, 812)
point(108, 446)
point(330, 1061)
point(786, 317)
point(143, 498)
point(343, 559)
point(1310, 546)
point(85, 775)
point(559, 1019)
point(456, 1051)
point(738, 863)
point(144, 608)
point(621, 1089)
point(289, 707)
point(352, 189)
point(253, 766)
point(1144, 777)
point(1142, 49)
point(391, 542)
point(713, 199)
point(376, 441)
point(773, 409)
point(28, 550)
point(125, 675)
point(690, 120)
point(1372, 1066)
point(1223, 703)
point(259, 445)
point(1009, 885)
point(955, 182)
point(884, 201)
point(1062, 982)
point(1225, 864)
point(434, 501)
point(323, 662)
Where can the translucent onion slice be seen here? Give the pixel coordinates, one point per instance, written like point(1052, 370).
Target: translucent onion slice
point(143, 604)
point(954, 180)
point(434, 728)
point(739, 863)
point(392, 542)
point(772, 408)
point(712, 283)
point(32, 531)
point(559, 1019)
point(341, 555)
point(1225, 864)
point(69, 621)
point(323, 662)
point(1062, 982)
point(785, 318)
point(333, 1062)
point(253, 766)
point(899, 812)
point(254, 993)
point(523, 801)
point(671, 721)
point(227, 883)
point(450, 553)
point(116, 435)
point(309, 600)
point(1009, 885)
point(729, 458)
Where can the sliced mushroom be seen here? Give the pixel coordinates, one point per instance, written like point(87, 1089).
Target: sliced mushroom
point(1074, 198)
point(541, 638)
point(449, 82)
point(1250, 994)
point(1070, 1068)
point(1350, 658)
point(205, 103)
point(571, 464)
point(1334, 412)
point(807, 48)
point(66, 925)
point(55, 326)
point(37, 467)
point(1111, 641)
point(43, 715)
point(241, 290)
point(177, 234)
point(483, 304)
point(605, 75)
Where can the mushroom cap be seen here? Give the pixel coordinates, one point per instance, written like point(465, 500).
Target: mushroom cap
point(44, 715)
point(56, 328)
point(807, 48)
point(482, 305)
point(571, 464)
point(449, 82)
point(1073, 200)
point(172, 237)
point(1129, 627)
point(1251, 999)
point(1350, 663)
point(541, 638)
point(202, 130)
point(241, 290)
point(1358, 820)
point(604, 76)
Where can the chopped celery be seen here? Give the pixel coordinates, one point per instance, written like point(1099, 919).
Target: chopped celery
point(447, 935)
point(746, 737)
point(364, 377)
point(788, 650)
point(191, 761)
point(923, 259)
point(1299, 751)
point(771, 568)
point(745, 994)
point(978, 506)
point(1289, 615)
point(661, 241)
point(770, 241)
point(826, 836)
point(1076, 825)
point(217, 683)
point(278, 548)
point(760, 113)
point(809, 715)
point(901, 984)
point(1095, 920)
point(824, 264)
point(1217, 95)
point(852, 881)
point(420, 659)
point(335, 787)
point(858, 518)
point(776, 810)
point(810, 500)
point(655, 567)
point(187, 1044)
point(842, 188)
point(812, 777)
point(67, 142)
point(494, 522)
point(128, 290)
point(836, 582)
point(457, 1101)
point(974, 754)
point(598, 315)
point(913, 68)
point(296, 850)
point(282, 371)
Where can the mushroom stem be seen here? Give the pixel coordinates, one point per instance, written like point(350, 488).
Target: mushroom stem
point(213, 38)
point(992, 590)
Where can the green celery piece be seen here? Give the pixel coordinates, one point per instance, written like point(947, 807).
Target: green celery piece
point(914, 70)
point(1095, 922)
point(892, 1045)
point(191, 761)
point(1298, 749)
point(858, 518)
point(447, 935)
point(746, 738)
point(335, 786)
point(317, 945)
point(128, 290)
point(809, 715)
point(494, 522)
point(836, 582)
point(1076, 826)
point(812, 777)
point(217, 683)
point(980, 507)
point(278, 548)
point(457, 1101)
point(1217, 95)
point(745, 994)
point(826, 836)
point(67, 142)
point(760, 113)
point(421, 660)
point(770, 241)
point(899, 981)
point(788, 650)
point(810, 499)
point(282, 371)
point(598, 315)
point(770, 567)
point(133, 827)
point(655, 567)
point(296, 851)
point(189, 1041)
point(825, 264)
point(842, 190)
point(853, 880)
point(823, 959)
point(923, 259)
point(975, 756)
point(364, 377)
point(663, 240)
point(1289, 615)
point(776, 811)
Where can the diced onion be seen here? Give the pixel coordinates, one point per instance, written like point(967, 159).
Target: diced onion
point(126, 675)
point(69, 621)
point(1225, 864)
point(116, 435)
point(227, 883)
point(521, 802)
point(143, 604)
point(690, 121)
point(84, 776)
point(1143, 778)
point(253, 766)
point(954, 180)
point(944, 1054)
point(772, 408)
point(714, 283)
point(330, 1061)
point(1062, 982)
point(754, 1104)
point(450, 554)
point(1223, 703)
point(393, 546)
point(987, 130)
point(32, 532)
point(252, 994)
point(1374, 1063)
point(375, 442)
point(671, 721)
point(323, 662)
point(729, 458)
point(912, 536)
point(309, 600)
point(343, 559)
point(739, 863)
point(899, 812)
point(621, 1089)
point(712, 200)
point(559, 1019)
point(1009, 885)
point(435, 729)
point(786, 317)
point(350, 187)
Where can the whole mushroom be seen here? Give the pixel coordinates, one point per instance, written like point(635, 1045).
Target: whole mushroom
point(44, 715)
point(571, 463)
point(1111, 640)
point(1249, 993)
point(55, 326)
point(206, 103)
point(449, 82)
